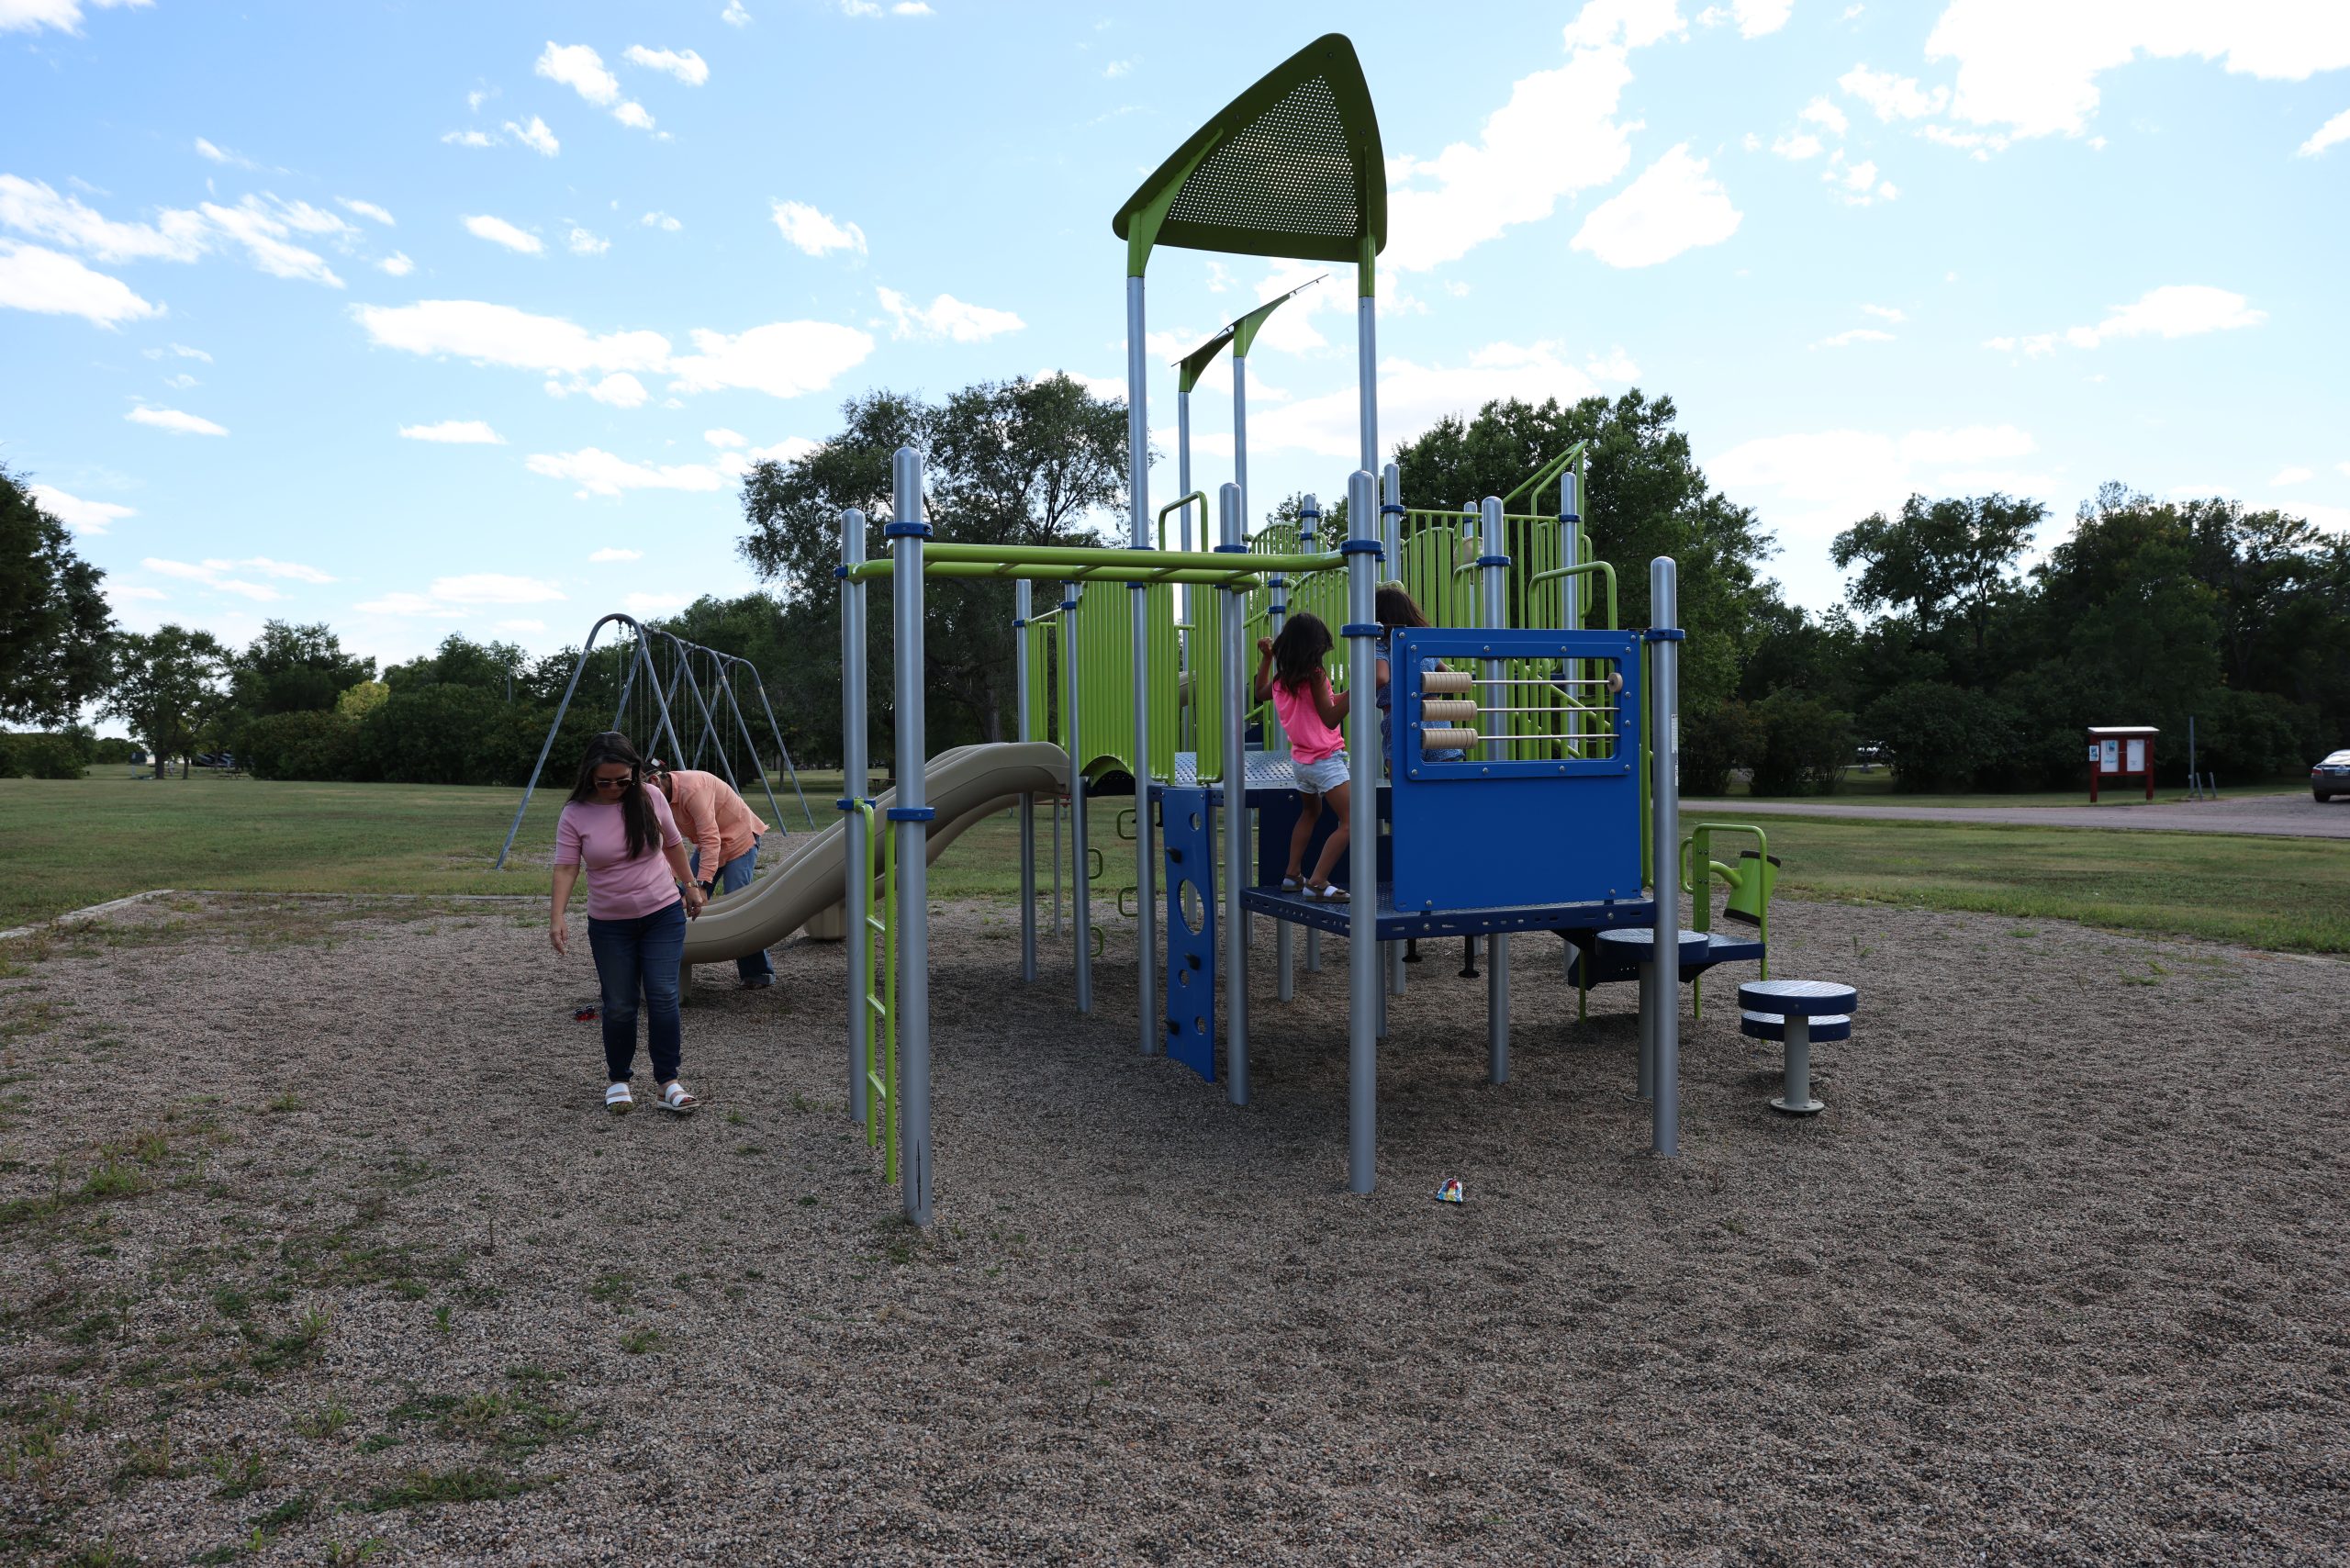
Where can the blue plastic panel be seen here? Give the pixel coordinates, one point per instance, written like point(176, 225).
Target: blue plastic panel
point(1187, 830)
point(1484, 833)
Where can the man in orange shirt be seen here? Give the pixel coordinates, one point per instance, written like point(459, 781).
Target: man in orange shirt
point(721, 831)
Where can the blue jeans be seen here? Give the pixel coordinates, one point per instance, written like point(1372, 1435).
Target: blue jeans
point(733, 877)
point(635, 957)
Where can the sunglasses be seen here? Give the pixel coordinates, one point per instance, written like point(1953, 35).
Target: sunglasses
point(622, 783)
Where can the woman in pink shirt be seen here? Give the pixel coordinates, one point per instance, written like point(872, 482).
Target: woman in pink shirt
point(640, 894)
point(1290, 671)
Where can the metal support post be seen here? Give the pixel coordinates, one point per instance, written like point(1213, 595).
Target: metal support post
point(1081, 891)
point(1796, 1098)
point(855, 777)
point(1057, 871)
point(1363, 990)
point(1664, 807)
point(909, 818)
point(1138, 602)
point(1494, 577)
point(1021, 593)
point(1570, 598)
point(1233, 538)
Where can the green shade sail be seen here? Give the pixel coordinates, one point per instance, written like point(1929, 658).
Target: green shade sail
point(1193, 365)
point(1292, 167)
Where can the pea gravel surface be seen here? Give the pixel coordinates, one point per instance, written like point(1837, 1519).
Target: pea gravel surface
point(319, 1247)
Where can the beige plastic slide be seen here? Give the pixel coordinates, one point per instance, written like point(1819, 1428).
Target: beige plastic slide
point(963, 786)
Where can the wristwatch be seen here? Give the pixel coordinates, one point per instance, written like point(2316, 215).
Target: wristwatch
point(708, 888)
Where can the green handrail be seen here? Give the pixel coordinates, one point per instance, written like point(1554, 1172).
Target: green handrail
point(1177, 505)
point(1701, 909)
point(1604, 568)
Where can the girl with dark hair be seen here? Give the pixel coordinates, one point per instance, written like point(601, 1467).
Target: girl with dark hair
point(1290, 671)
point(1394, 605)
point(641, 892)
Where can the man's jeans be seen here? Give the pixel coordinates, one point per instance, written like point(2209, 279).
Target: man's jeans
point(635, 957)
point(733, 877)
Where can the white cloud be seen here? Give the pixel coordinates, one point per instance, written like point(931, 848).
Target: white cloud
point(233, 159)
point(649, 605)
point(586, 243)
point(182, 350)
point(1799, 146)
point(406, 604)
point(215, 575)
point(262, 223)
point(2294, 475)
point(30, 206)
point(33, 277)
point(1854, 335)
point(1412, 397)
point(490, 587)
point(813, 232)
point(468, 139)
point(1884, 312)
point(497, 232)
point(369, 210)
point(2032, 67)
point(619, 389)
point(581, 69)
point(1823, 112)
point(521, 626)
point(81, 516)
point(599, 473)
point(1756, 17)
point(790, 449)
point(397, 264)
point(535, 136)
point(130, 593)
point(2175, 310)
point(683, 64)
point(2336, 518)
point(946, 317)
point(612, 553)
point(782, 359)
point(1672, 208)
point(1117, 67)
point(724, 438)
point(1554, 137)
point(1856, 184)
point(1614, 366)
point(174, 420)
point(2332, 130)
point(734, 16)
point(1893, 97)
point(181, 382)
point(912, 8)
point(661, 220)
point(455, 433)
point(65, 16)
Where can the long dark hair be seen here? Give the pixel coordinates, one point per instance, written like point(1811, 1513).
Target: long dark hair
point(636, 811)
point(1299, 651)
point(1394, 605)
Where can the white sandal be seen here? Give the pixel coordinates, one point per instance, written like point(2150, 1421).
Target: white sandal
point(675, 1098)
point(618, 1099)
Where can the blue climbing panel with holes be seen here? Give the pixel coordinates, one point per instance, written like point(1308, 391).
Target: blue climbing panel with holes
point(1187, 828)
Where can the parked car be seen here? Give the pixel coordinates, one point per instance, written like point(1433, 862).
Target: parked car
point(2330, 777)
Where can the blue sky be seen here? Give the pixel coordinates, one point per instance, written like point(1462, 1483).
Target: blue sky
point(419, 318)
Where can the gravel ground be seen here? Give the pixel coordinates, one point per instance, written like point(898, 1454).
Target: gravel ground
point(316, 1237)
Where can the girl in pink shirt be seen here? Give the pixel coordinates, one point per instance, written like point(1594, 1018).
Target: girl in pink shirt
point(1290, 671)
point(639, 895)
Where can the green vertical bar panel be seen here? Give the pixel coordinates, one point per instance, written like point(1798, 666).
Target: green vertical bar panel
point(1064, 677)
point(1207, 681)
point(1105, 675)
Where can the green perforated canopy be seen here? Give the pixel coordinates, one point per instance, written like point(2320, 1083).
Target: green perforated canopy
point(1292, 167)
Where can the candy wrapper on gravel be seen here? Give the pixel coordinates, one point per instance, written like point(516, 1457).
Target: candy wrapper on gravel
point(1450, 1191)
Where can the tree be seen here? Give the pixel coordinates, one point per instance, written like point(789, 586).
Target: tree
point(1951, 561)
point(166, 684)
point(295, 669)
point(460, 661)
point(56, 631)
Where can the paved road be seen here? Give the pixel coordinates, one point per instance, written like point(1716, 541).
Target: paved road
point(2282, 816)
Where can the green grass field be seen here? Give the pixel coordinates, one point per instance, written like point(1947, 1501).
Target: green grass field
point(67, 844)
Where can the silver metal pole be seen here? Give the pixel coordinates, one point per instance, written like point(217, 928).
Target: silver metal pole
point(855, 778)
point(1057, 871)
point(1366, 375)
point(1138, 616)
point(912, 816)
point(1363, 990)
point(561, 709)
point(1021, 593)
point(1391, 535)
point(1495, 573)
point(1664, 798)
point(1183, 514)
point(1570, 598)
point(1080, 896)
point(742, 728)
point(1233, 537)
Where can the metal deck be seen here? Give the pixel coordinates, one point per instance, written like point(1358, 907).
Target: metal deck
point(1396, 925)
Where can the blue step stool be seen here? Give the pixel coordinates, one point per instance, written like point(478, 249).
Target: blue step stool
point(1797, 1012)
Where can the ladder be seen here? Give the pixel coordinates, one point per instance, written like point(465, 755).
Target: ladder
point(879, 988)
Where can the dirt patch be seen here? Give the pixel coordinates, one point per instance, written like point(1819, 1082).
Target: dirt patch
point(316, 1242)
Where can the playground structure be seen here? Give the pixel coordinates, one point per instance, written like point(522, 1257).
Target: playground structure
point(645, 703)
point(1560, 817)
